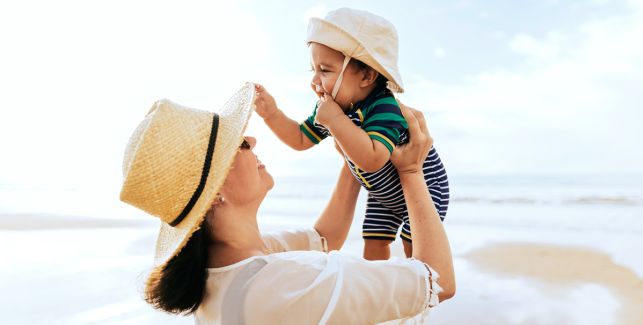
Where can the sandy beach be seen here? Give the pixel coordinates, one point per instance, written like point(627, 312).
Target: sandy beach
point(91, 272)
point(558, 269)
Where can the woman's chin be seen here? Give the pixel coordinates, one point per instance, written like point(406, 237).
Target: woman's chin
point(268, 180)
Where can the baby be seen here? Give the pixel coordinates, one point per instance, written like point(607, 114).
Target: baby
point(354, 65)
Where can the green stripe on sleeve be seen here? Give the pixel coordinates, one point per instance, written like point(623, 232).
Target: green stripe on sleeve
point(386, 117)
point(381, 101)
point(383, 141)
point(386, 100)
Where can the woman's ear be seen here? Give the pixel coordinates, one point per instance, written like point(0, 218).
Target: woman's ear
point(218, 200)
point(369, 76)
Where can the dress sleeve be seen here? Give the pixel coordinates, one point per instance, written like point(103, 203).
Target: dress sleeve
point(313, 131)
point(317, 288)
point(384, 122)
point(295, 240)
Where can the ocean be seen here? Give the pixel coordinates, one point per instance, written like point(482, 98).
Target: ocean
point(592, 202)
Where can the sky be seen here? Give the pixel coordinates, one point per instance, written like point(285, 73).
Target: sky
point(531, 87)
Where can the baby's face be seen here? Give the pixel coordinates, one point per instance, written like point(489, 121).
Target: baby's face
point(326, 66)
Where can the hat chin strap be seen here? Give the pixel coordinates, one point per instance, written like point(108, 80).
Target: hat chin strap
point(338, 83)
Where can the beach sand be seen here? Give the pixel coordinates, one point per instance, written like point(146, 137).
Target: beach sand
point(71, 270)
point(559, 268)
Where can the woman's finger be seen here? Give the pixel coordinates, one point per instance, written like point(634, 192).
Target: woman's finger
point(419, 116)
point(421, 121)
point(411, 120)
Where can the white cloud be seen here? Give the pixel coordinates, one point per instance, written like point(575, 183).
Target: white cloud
point(574, 105)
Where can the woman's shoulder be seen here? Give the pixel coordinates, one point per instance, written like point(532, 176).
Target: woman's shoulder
point(298, 259)
point(304, 239)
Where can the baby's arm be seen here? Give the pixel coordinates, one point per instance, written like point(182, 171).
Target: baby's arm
point(368, 154)
point(286, 129)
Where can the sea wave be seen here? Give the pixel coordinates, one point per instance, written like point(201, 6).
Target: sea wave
point(580, 200)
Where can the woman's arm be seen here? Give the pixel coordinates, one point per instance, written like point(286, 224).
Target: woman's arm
point(337, 217)
point(430, 242)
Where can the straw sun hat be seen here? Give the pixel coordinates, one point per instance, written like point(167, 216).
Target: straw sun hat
point(177, 160)
point(361, 35)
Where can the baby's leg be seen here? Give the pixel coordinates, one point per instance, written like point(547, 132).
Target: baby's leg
point(377, 249)
point(405, 234)
point(408, 248)
point(379, 230)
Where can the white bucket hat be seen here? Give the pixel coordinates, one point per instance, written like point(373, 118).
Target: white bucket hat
point(177, 160)
point(361, 35)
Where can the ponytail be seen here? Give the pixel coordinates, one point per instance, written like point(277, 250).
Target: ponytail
point(178, 287)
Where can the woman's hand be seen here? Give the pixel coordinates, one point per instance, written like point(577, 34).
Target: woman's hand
point(409, 157)
point(265, 104)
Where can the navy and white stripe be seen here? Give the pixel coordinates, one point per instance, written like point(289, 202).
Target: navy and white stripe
point(386, 208)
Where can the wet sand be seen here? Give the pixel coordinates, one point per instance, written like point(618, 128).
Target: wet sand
point(564, 268)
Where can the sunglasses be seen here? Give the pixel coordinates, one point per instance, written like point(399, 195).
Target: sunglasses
point(244, 145)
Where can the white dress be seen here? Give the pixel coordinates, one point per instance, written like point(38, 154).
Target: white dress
point(301, 284)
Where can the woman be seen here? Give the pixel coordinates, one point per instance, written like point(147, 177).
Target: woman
point(196, 172)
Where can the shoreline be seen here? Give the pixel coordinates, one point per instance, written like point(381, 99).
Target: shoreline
point(30, 221)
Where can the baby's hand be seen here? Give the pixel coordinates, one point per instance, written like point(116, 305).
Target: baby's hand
point(327, 110)
point(265, 104)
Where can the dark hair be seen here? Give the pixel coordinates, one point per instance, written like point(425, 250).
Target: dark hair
point(179, 286)
point(380, 81)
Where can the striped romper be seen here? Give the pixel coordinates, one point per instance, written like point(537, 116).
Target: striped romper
point(381, 118)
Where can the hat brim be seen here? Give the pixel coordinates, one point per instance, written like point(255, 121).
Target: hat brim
point(233, 120)
point(329, 34)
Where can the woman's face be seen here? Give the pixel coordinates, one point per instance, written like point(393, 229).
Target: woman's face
point(326, 66)
point(248, 179)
